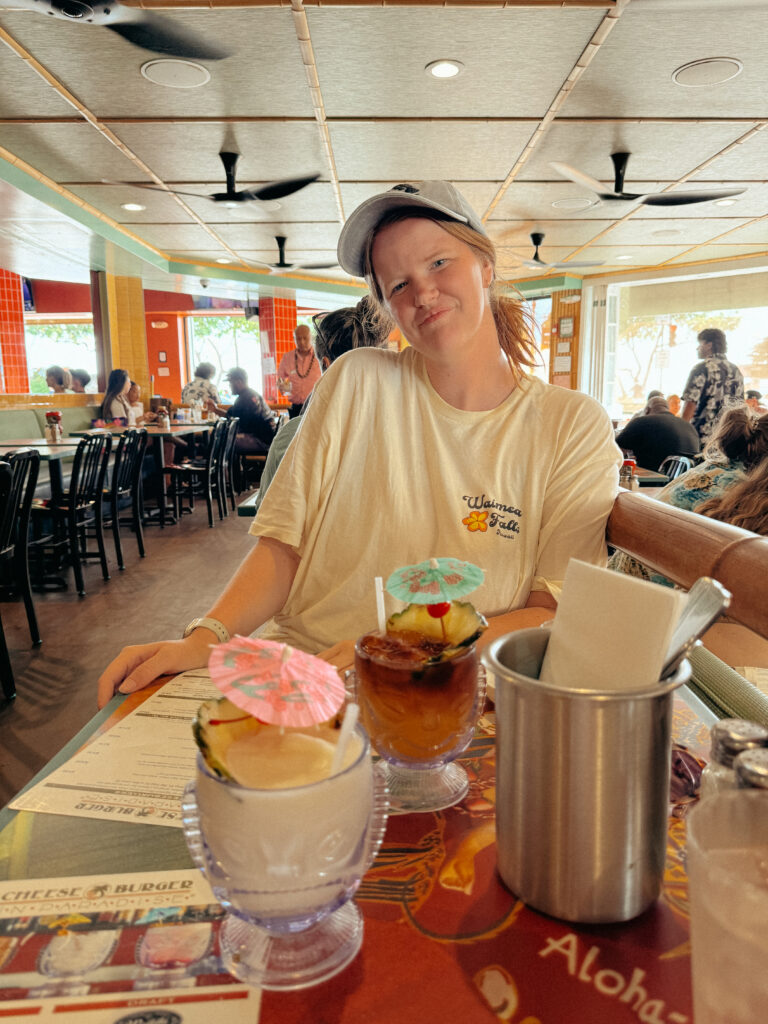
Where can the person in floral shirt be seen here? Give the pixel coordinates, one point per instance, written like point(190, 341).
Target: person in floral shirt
point(713, 384)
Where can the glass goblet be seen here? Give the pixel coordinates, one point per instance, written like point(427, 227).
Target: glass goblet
point(285, 864)
point(420, 717)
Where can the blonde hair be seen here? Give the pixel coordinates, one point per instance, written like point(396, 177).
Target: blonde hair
point(745, 504)
point(514, 320)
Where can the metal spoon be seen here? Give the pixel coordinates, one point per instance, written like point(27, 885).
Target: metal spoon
point(707, 599)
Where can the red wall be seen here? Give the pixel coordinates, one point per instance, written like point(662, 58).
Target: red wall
point(170, 340)
point(61, 297)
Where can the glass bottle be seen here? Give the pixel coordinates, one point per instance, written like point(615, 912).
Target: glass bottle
point(729, 738)
point(751, 768)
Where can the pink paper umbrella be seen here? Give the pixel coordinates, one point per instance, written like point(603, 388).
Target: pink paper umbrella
point(276, 683)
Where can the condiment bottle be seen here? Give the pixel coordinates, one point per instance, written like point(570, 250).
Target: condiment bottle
point(751, 769)
point(626, 473)
point(729, 738)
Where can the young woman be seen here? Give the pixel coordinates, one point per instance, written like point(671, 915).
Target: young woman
point(447, 448)
point(115, 404)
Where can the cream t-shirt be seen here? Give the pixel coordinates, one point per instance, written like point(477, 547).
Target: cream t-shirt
point(383, 473)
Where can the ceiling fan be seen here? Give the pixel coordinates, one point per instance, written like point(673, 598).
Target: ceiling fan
point(537, 237)
point(282, 264)
point(141, 28)
point(620, 161)
point(272, 190)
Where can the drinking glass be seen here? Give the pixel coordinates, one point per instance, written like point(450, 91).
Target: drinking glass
point(727, 860)
point(285, 864)
point(420, 717)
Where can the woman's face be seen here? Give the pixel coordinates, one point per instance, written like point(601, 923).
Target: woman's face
point(126, 386)
point(435, 287)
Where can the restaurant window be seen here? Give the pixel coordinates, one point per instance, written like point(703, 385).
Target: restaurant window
point(541, 309)
point(59, 340)
point(226, 341)
point(649, 347)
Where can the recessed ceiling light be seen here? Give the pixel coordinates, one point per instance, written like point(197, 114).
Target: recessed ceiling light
point(725, 202)
point(132, 206)
point(710, 71)
point(622, 258)
point(223, 259)
point(666, 233)
point(176, 74)
point(574, 203)
point(444, 68)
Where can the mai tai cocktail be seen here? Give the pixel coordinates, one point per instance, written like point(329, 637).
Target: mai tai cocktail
point(421, 691)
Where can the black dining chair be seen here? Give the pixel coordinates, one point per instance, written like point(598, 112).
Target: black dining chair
point(14, 531)
point(203, 476)
point(675, 465)
point(7, 682)
point(81, 508)
point(227, 465)
point(125, 485)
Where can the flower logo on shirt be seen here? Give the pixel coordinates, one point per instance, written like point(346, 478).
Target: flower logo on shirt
point(476, 521)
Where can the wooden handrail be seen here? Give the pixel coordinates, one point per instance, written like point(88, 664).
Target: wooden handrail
point(684, 546)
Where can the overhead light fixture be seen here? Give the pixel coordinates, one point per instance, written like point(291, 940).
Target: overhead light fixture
point(622, 258)
point(223, 259)
point(725, 202)
point(666, 233)
point(175, 74)
point(444, 68)
point(709, 71)
point(132, 207)
point(574, 203)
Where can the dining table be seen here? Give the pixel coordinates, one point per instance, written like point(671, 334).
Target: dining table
point(650, 478)
point(444, 939)
point(53, 453)
point(156, 435)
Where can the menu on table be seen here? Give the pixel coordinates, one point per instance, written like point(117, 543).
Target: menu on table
point(138, 769)
point(117, 949)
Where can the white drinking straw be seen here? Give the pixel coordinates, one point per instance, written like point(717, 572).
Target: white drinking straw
point(345, 733)
point(382, 615)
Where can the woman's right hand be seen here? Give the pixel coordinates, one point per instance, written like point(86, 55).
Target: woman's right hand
point(137, 667)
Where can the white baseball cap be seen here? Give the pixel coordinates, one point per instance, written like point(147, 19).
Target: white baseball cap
point(429, 195)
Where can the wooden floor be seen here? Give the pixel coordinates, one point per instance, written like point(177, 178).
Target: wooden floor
point(186, 567)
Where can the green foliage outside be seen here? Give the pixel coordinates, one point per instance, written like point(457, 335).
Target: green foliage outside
point(59, 344)
point(226, 341)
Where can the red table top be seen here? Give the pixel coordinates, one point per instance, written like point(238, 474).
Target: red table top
point(446, 941)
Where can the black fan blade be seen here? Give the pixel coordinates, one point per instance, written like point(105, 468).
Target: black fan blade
point(279, 189)
point(686, 198)
point(161, 35)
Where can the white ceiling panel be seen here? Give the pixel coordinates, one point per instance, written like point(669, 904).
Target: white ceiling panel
point(371, 62)
point(755, 233)
point(190, 152)
point(263, 76)
point(631, 74)
point(460, 151)
point(67, 152)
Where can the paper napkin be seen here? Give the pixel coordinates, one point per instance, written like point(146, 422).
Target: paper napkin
point(611, 631)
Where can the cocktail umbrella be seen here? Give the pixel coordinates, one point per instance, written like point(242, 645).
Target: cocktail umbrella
point(276, 683)
point(434, 581)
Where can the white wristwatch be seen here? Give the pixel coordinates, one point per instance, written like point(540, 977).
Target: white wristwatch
point(216, 627)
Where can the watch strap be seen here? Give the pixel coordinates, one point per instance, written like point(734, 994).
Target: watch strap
point(218, 628)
